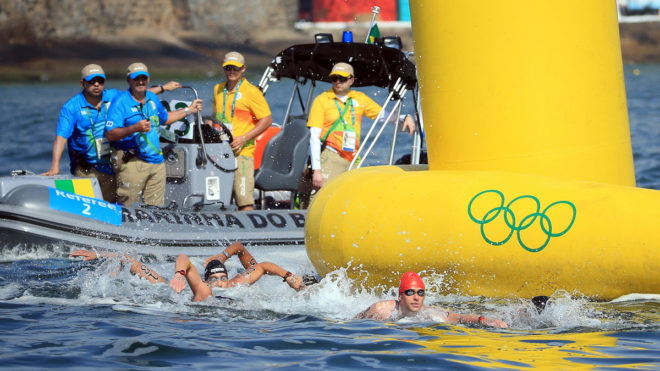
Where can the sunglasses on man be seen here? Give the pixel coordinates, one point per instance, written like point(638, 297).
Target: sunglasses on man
point(96, 80)
point(341, 79)
point(411, 292)
point(232, 68)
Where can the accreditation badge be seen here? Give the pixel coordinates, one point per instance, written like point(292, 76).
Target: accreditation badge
point(348, 141)
point(102, 147)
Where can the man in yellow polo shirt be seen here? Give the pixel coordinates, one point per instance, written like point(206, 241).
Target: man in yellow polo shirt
point(243, 109)
point(335, 120)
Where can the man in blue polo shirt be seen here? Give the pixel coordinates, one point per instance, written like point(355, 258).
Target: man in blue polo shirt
point(133, 125)
point(81, 127)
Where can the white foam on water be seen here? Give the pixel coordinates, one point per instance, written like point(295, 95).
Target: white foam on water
point(336, 297)
point(637, 297)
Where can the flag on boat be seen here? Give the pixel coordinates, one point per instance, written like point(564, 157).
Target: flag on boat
point(373, 34)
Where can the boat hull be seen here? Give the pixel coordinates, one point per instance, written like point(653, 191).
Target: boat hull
point(28, 217)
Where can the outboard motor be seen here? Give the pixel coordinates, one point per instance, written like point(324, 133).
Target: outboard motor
point(200, 166)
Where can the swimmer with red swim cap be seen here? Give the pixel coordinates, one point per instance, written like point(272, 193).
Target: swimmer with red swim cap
point(412, 292)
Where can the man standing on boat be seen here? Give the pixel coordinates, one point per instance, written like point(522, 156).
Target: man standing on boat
point(241, 107)
point(133, 126)
point(81, 126)
point(335, 120)
point(411, 303)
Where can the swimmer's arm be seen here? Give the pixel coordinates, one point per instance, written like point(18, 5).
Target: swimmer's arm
point(237, 249)
point(200, 290)
point(272, 269)
point(379, 311)
point(137, 268)
point(474, 318)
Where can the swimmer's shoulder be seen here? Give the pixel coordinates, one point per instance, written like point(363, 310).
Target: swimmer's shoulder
point(381, 310)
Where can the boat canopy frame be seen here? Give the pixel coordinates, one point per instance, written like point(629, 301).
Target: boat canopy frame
point(374, 65)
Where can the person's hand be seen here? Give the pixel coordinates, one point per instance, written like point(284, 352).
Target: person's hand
point(317, 179)
point(294, 282)
point(172, 85)
point(408, 125)
point(238, 143)
point(142, 126)
point(88, 255)
point(492, 322)
point(52, 171)
point(178, 282)
point(195, 106)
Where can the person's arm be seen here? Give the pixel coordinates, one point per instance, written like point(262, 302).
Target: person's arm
point(315, 124)
point(114, 127)
point(238, 249)
point(174, 116)
point(58, 147)
point(315, 155)
point(252, 274)
point(379, 311)
point(137, 268)
point(159, 89)
point(261, 125)
point(372, 109)
point(142, 126)
point(474, 318)
point(183, 267)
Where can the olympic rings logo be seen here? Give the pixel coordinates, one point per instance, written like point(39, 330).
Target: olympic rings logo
point(527, 221)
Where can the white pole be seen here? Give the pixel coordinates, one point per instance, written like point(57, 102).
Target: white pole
point(375, 10)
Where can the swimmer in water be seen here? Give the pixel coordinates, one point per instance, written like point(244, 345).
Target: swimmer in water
point(215, 273)
point(411, 303)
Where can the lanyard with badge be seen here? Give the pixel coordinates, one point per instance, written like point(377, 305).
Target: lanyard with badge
point(224, 119)
point(144, 135)
point(349, 136)
point(101, 145)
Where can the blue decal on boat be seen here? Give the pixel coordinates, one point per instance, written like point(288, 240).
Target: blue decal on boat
point(85, 206)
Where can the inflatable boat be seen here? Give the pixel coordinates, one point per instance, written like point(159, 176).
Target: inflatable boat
point(198, 216)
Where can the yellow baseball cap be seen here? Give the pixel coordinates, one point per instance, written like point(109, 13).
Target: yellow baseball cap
point(233, 59)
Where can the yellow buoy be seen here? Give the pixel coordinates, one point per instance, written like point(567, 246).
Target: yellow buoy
point(531, 180)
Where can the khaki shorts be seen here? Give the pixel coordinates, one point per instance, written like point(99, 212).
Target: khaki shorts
point(106, 181)
point(244, 181)
point(141, 179)
point(332, 165)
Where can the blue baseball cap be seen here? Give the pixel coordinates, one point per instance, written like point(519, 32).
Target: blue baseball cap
point(91, 71)
point(136, 69)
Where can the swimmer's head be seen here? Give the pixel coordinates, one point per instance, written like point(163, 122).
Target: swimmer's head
point(540, 302)
point(410, 280)
point(214, 267)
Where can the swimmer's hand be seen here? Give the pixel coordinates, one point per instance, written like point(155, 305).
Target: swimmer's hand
point(178, 282)
point(88, 255)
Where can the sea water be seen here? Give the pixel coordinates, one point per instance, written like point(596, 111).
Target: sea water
point(61, 312)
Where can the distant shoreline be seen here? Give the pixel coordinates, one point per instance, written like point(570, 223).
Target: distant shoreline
point(197, 59)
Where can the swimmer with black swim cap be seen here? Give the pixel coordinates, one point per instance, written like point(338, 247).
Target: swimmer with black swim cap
point(215, 267)
point(412, 293)
point(215, 272)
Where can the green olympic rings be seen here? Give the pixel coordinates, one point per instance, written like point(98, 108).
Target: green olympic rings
point(526, 222)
